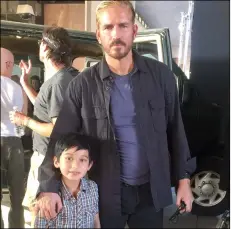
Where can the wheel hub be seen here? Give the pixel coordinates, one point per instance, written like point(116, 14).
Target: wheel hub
point(207, 189)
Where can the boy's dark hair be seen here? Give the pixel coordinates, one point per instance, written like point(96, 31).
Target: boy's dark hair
point(72, 140)
point(59, 43)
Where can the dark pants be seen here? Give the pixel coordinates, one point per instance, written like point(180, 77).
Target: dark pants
point(137, 210)
point(12, 164)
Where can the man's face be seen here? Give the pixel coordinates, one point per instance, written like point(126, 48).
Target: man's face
point(7, 62)
point(10, 66)
point(116, 31)
point(35, 84)
point(73, 164)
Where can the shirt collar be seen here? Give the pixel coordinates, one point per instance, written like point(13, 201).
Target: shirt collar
point(66, 194)
point(6, 77)
point(138, 60)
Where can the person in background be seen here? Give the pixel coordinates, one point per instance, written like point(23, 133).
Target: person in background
point(55, 53)
point(129, 103)
point(16, 79)
point(12, 155)
point(35, 83)
point(73, 159)
point(26, 138)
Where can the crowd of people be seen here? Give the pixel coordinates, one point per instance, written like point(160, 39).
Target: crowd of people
point(107, 142)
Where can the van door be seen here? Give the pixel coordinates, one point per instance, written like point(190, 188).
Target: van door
point(155, 43)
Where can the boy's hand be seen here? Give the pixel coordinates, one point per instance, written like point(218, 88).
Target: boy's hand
point(49, 204)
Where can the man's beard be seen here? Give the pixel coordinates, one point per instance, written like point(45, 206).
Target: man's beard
point(117, 54)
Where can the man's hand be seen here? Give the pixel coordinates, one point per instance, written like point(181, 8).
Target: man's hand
point(18, 118)
point(26, 69)
point(49, 204)
point(184, 193)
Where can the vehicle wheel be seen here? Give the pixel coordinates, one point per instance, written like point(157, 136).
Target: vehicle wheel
point(209, 199)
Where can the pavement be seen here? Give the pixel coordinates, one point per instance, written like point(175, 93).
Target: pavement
point(185, 221)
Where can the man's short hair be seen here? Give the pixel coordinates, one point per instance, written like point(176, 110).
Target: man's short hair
point(106, 4)
point(59, 43)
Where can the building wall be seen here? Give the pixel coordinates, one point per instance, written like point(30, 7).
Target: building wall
point(160, 14)
point(68, 16)
point(90, 7)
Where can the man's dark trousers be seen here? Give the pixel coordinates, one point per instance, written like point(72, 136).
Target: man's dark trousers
point(12, 164)
point(138, 210)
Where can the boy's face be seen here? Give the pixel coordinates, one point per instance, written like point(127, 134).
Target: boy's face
point(73, 163)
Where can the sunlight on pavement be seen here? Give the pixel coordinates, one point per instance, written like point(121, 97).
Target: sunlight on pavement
point(5, 211)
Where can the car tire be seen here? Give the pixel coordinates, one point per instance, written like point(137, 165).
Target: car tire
point(209, 200)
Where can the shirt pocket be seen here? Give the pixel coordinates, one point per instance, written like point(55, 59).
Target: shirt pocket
point(94, 112)
point(157, 110)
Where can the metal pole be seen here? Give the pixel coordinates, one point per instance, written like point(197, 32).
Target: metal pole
point(181, 27)
point(188, 33)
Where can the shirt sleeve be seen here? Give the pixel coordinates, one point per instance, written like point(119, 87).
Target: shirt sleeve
point(69, 120)
point(55, 99)
point(96, 199)
point(181, 160)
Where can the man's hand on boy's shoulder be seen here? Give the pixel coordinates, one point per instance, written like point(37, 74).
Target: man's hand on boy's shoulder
point(49, 204)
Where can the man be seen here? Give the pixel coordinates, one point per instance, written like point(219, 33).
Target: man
point(35, 83)
point(12, 155)
point(131, 104)
point(54, 52)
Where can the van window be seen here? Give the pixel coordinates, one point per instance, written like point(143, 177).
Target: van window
point(148, 49)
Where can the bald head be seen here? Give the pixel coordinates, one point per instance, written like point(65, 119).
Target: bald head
point(7, 62)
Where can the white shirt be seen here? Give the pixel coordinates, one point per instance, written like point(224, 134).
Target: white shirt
point(11, 95)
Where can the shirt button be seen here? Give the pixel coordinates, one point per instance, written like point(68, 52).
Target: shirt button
point(107, 88)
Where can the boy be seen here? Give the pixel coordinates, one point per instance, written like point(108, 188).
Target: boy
point(73, 159)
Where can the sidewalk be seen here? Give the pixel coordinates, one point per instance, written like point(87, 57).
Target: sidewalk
point(186, 221)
